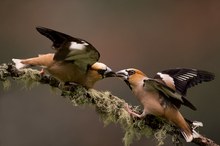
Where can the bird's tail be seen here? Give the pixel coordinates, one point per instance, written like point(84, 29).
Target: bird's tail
point(190, 136)
point(19, 64)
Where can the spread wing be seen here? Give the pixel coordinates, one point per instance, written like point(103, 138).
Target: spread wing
point(181, 79)
point(167, 92)
point(71, 49)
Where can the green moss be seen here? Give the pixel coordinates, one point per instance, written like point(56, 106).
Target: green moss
point(3, 72)
point(135, 130)
point(29, 78)
point(160, 135)
point(77, 96)
point(3, 77)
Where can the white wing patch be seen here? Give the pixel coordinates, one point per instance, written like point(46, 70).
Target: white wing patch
point(167, 79)
point(78, 46)
point(186, 76)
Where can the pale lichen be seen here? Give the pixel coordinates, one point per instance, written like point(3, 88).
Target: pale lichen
point(3, 77)
point(109, 107)
point(29, 78)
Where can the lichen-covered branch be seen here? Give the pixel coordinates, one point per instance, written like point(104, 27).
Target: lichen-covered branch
point(109, 107)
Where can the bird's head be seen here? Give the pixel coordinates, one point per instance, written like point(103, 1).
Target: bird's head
point(99, 71)
point(131, 76)
point(102, 70)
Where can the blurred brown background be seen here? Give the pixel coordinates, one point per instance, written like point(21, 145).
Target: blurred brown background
point(149, 35)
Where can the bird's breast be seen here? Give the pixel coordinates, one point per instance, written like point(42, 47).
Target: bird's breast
point(150, 101)
point(67, 72)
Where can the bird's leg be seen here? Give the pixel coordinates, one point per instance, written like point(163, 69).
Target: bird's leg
point(129, 110)
point(42, 72)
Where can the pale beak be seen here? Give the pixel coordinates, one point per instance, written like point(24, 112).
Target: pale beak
point(122, 74)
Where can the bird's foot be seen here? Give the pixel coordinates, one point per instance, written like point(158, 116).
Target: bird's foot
point(42, 72)
point(133, 114)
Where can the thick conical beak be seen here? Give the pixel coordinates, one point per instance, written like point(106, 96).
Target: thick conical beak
point(122, 74)
point(109, 73)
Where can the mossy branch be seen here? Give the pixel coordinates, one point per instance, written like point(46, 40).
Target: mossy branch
point(109, 107)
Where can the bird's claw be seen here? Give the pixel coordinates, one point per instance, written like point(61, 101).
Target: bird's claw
point(129, 110)
point(42, 72)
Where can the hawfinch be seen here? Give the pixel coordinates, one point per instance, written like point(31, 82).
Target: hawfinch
point(75, 60)
point(164, 94)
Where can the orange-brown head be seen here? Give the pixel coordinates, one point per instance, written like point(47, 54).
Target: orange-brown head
point(133, 77)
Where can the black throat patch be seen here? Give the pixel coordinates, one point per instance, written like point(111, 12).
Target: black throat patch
point(129, 85)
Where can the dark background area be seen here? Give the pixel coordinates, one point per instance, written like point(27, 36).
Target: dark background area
point(148, 35)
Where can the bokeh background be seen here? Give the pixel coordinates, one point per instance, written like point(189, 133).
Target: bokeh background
point(148, 35)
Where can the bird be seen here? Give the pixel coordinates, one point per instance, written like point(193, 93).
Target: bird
point(163, 94)
point(75, 60)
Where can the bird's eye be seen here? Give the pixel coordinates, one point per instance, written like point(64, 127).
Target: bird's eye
point(101, 71)
point(130, 72)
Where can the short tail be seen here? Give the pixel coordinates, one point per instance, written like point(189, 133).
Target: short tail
point(19, 64)
point(188, 137)
point(194, 134)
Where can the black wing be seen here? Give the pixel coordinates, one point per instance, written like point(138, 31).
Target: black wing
point(170, 94)
point(68, 48)
point(185, 78)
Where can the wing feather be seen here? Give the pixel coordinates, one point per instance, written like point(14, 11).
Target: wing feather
point(185, 78)
point(170, 94)
point(71, 49)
